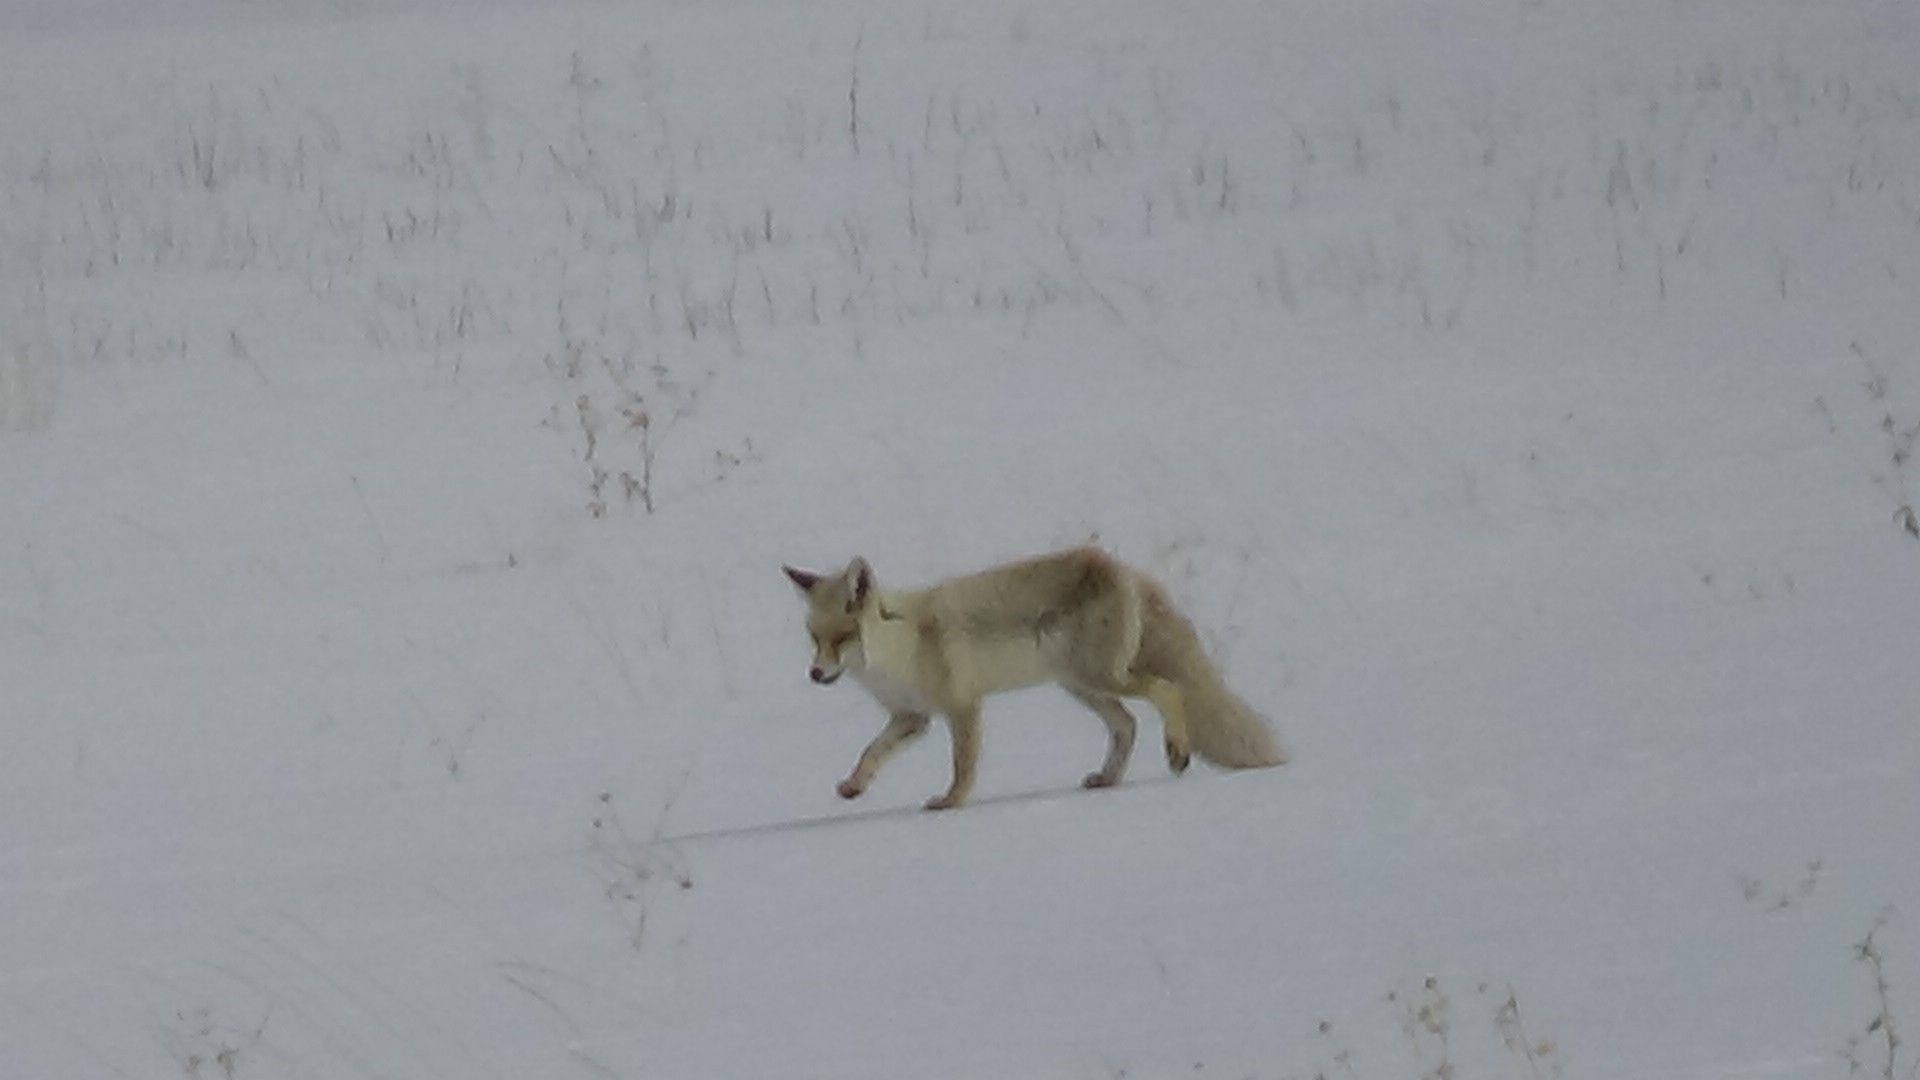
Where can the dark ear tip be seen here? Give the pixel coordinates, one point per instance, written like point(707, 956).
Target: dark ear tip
point(802, 578)
point(861, 575)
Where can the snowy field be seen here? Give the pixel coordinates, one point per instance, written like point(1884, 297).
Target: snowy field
point(406, 407)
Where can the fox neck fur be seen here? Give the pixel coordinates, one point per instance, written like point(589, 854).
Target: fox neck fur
point(891, 641)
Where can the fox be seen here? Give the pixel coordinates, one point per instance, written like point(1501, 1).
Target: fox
point(1079, 618)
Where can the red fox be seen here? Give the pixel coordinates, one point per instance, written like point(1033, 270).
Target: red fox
point(1080, 618)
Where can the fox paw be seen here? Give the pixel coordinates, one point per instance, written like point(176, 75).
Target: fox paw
point(1099, 780)
point(942, 802)
point(1177, 758)
point(849, 789)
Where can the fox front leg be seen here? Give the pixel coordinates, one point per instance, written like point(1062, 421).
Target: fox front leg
point(901, 730)
point(965, 726)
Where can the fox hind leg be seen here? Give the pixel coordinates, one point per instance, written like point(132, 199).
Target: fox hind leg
point(1166, 697)
point(1120, 729)
point(901, 730)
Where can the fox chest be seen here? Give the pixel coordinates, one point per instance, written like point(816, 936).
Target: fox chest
point(895, 694)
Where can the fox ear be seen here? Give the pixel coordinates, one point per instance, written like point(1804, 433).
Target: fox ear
point(859, 582)
point(804, 579)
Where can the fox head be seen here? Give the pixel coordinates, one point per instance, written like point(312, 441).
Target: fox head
point(835, 603)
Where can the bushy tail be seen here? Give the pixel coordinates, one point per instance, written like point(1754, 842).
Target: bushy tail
point(1221, 727)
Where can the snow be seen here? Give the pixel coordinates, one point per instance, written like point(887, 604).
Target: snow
point(1518, 393)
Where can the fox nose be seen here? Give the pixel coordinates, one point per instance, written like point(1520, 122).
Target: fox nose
point(822, 676)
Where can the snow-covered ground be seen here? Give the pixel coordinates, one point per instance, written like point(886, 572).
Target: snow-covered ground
point(405, 408)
